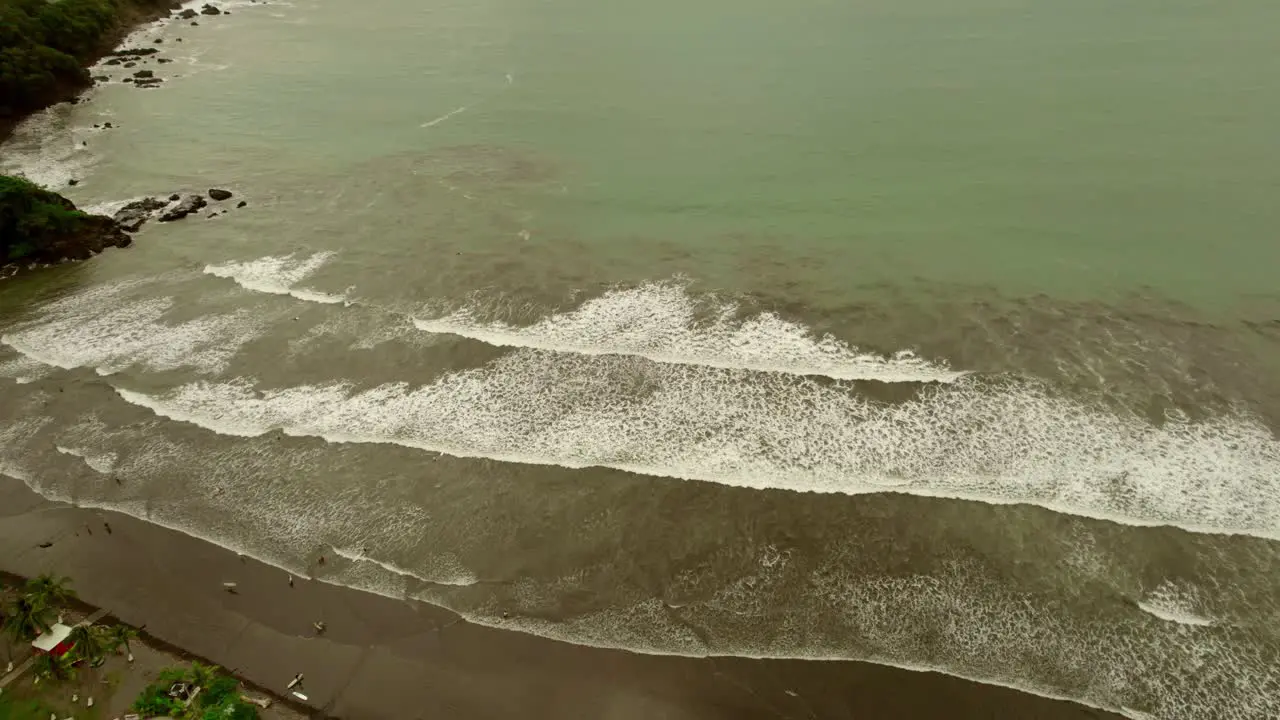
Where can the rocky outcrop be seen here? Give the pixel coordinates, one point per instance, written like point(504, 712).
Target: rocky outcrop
point(185, 207)
point(132, 216)
point(216, 194)
point(210, 10)
point(187, 14)
point(134, 53)
point(41, 227)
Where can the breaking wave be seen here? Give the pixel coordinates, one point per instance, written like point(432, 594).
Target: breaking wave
point(103, 329)
point(660, 322)
point(996, 441)
point(278, 275)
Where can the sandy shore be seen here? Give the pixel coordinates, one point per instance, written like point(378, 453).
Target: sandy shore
point(385, 658)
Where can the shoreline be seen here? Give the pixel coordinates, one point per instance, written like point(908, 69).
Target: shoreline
point(379, 656)
point(157, 643)
point(131, 18)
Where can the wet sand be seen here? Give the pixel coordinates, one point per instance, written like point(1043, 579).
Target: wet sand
point(386, 658)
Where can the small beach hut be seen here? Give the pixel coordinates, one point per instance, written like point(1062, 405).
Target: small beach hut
point(54, 642)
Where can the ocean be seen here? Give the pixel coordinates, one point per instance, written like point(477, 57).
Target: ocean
point(942, 335)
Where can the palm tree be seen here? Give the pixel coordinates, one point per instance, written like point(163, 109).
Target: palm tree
point(54, 591)
point(121, 635)
point(201, 675)
point(88, 642)
point(54, 667)
point(27, 617)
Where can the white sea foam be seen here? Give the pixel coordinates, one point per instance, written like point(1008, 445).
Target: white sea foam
point(446, 116)
point(102, 462)
point(103, 329)
point(23, 369)
point(447, 570)
point(1174, 603)
point(109, 207)
point(277, 275)
point(658, 321)
point(48, 148)
point(997, 442)
point(960, 620)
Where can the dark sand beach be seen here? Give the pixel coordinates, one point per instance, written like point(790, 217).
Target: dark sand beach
point(383, 658)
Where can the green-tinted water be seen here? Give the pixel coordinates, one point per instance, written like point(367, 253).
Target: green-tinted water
point(579, 296)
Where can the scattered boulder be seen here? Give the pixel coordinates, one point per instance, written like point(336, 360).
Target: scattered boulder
point(126, 80)
point(133, 52)
point(132, 216)
point(147, 82)
point(217, 194)
point(241, 204)
point(73, 182)
point(106, 125)
point(159, 40)
point(101, 79)
point(175, 197)
point(194, 23)
point(130, 64)
point(144, 74)
point(210, 10)
point(187, 14)
point(112, 61)
point(185, 207)
point(163, 61)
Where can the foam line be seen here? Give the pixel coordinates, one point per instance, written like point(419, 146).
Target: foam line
point(658, 321)
point(277, 275)
point(458, 577)
point(99, 328)
point(995, 442)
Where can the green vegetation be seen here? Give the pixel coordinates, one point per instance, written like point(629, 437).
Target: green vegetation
point(40, 226)
point(14, 709)
point(43, 46)
point(219, 697)
point(36, 606)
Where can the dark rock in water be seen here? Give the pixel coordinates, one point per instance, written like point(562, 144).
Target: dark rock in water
point(144, 74)
point(112, 61)
point(188, 205)
point(187, 14)
point(73, 182)
point(133, 52)
point(101, 79)
point(147, 82)
point(162, 61)
point(210, 10)
point(132, 216)
point(179, 39)
point(130, 64)
point(126, 80)
point(175, 197)
point(74, 101)
point(159, 40)
point(216, 194)
point(78, 237)
point(241, 204)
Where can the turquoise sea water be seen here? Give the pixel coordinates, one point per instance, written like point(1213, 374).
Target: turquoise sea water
point(935, 334)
